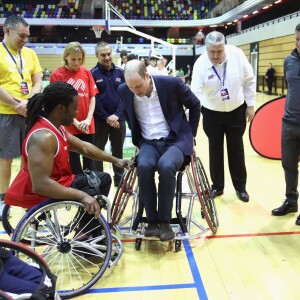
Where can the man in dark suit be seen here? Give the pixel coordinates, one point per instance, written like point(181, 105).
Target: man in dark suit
point(154, 109)
point(270, 76)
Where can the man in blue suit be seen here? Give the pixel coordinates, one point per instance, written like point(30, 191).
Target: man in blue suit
point(154, 109)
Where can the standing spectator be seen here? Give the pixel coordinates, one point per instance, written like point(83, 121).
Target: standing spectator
point(46, 74)
point(82, 80)
point(20, 78)
point(270, 76)
point(188, 75)
point(152, 65)
point(123, 59)
point(290, 136)
point(223, 80)
point(160, 68)
point(154, 108)
point(131, 56)
point(109, 119)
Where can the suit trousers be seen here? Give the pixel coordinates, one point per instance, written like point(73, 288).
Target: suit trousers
point(290, 148)
point(216, 126)
point(166, 160)
point(116, 137)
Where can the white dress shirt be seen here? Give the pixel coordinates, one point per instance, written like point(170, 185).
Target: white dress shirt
point(239, 81)
point(150, 116)
point(162, 72)
point(151, 70)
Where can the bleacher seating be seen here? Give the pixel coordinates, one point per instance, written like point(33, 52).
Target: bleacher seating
point(165, 9)
point(43, 9)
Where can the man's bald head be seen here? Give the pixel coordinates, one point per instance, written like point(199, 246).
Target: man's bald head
point(134, 67)
point(137, 78)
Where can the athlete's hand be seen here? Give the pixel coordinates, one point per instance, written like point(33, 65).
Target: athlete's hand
point(124, 163)
point(91, 205)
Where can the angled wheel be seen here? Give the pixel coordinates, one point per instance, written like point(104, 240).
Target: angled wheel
point(125, 190)
point(11, 216)
point(204, 194)
point(76, 246)
point(29, 256)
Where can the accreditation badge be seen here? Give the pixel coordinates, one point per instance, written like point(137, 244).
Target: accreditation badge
point(24, 88)
point(225, 94)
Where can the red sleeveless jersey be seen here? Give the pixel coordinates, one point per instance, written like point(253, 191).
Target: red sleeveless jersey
point(20, 192)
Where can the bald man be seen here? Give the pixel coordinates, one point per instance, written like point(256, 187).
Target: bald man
point(154, 109)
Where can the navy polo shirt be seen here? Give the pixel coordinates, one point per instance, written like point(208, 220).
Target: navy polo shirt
point(107, 100)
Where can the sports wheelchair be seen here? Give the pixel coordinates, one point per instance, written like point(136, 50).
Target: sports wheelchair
point(32, 258)
point(133, 223)
point(77, 254)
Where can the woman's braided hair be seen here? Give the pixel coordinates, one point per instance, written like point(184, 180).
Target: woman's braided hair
point(43, 103)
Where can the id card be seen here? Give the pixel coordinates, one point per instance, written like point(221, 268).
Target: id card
point(224, 95)
point(24, 88)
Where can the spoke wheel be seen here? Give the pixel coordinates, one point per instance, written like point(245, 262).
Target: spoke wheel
point(76, 246)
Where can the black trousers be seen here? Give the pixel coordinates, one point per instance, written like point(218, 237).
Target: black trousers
point(269, 84)
point(116, 137)
point(87, 163)
point(290, 148)
point(216, 126)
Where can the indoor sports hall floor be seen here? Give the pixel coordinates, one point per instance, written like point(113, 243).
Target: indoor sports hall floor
point(253, 255)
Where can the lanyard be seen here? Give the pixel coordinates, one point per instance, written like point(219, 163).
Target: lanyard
point(224, 74)
point(21, 63)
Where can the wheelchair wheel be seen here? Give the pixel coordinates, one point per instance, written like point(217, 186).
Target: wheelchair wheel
point(76, 246)
point(27, 255)
point(204, 194)
point(123, 193)
point(5, 296)
point(117, 250)
point(11, 216)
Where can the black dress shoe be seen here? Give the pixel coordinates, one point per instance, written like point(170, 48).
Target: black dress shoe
point(285, 208)
point(165, 233)
point(215, 193)
point(152, 230)
point(243, 195)
point(298, 220)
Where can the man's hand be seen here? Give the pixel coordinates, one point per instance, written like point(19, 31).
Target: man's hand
point(113, 121)
point(250, 113)
point(21, 107)
point(91, 205)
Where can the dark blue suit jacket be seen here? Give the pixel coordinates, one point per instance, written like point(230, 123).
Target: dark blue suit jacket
point(173, 95)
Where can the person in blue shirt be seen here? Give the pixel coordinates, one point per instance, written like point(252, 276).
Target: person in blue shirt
point(109, 119)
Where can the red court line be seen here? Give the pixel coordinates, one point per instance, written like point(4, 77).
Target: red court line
point(252, 234)
point(236, 235)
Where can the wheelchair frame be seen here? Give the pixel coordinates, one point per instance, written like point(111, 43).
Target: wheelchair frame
point(134, 225)
point(31, 257)
point(9, 225)
point(52, 230)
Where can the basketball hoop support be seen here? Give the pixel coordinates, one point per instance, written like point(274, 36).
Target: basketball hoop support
point(98, 31)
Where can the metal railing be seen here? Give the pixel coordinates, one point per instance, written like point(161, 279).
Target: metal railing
point(279, 87)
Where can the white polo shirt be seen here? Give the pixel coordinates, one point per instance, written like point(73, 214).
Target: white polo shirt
point(239, 81)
